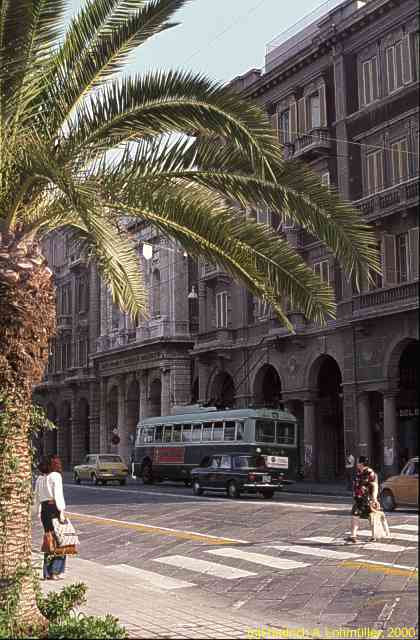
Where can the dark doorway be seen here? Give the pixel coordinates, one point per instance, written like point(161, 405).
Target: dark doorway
point(223, 391)
point(330, 429)
point(267, 388)
point(408, 403)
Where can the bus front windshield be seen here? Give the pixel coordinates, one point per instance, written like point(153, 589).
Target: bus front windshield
point(274, 431)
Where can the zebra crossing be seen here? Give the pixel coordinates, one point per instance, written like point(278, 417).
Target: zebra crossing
point(290, 557)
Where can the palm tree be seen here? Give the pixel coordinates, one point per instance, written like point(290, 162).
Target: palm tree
point(186, 156)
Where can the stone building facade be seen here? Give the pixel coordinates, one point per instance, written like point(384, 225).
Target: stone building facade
point(342, 93)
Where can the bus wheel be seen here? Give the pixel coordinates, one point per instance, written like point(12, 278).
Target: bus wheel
point(196, 486)
point(147, 474)
point(232, 490)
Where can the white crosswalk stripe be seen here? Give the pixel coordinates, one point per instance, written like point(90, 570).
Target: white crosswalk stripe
point(258, 558)
point(406, 527)
point(317, 552)
point(375, 546)
point(394, 536)
point(206, 567)
point(151, 580)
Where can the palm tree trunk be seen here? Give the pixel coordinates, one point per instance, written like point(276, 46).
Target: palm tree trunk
point(27, 321)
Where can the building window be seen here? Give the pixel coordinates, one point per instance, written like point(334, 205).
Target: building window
point(284, 126)
point(81, 294)
point(370, 80)
point(402, 257)
point(221, 310)
point(325, 179)
point(398, 64)
point(399, 157)
point(322, 269)
point(82, 352)
point(156, 293)
point(64, 300)
point(264, 217)
point(314, 111)
point(374, 174)
point(262, 309)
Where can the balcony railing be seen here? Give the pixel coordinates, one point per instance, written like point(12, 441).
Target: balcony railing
point(209, 270)
point(64, 321)
point(407, 292)
point(390, 197)
point(310, 144)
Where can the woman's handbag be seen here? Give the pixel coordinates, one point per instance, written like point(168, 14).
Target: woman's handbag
point(67, 550)
point(64, 532)
point(49, 543)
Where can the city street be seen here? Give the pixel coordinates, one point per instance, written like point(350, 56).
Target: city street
point(280, 563)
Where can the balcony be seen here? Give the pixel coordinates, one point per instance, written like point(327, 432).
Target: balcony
point(209, 271)
point(310, 145)
point(389, 199)
point(391, 300)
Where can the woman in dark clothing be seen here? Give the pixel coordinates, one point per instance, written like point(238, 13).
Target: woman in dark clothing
point(50, 501)
point(365, 496)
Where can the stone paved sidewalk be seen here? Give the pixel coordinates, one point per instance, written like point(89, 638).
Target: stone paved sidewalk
point(156, 614)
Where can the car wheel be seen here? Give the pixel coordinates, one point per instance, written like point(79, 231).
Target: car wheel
point(267, 495)
point(76, 478)
point(123, 482)
point(196, 487)
point(232, 490)
point(388, 500)
point(95, 479)
point(147, 474)
point(187, 482)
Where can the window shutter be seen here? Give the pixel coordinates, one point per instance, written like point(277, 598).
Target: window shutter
point(390, 69)
point(413, 248)
point(301, 116)
point(389, 260)
point(375, 84)
point(323, 105)
point(406, 59)
point(404, 159)
point(293, 120)
point(379, 170)
point(366, 83)
point(399, 64)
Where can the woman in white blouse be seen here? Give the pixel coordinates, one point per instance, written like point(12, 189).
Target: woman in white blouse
point(49, 501)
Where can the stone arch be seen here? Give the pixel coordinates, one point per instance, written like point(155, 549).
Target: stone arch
point(393, 357)
point(64, 436)
point(50, 438)
point(325, 380)
point(267, 387)
point(221, 389)
point(156, 397)
point(82, 446)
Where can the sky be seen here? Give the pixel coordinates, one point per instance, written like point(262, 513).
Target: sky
point(220, 38)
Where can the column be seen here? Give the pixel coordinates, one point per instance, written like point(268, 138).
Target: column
point(94, 417)
point(144, 406)
point(103, 430)
point(123, 446)
point(309, 430)
point(166, 390)
point(363, 408)
point(390, 434)
point(76, 435)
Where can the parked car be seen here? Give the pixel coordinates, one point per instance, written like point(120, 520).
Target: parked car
point(236, 474)
point(402, 490)
point(101, 468)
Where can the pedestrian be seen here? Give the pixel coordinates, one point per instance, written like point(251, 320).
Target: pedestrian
point(365, 497)
point(49, 501)
point(349, 469)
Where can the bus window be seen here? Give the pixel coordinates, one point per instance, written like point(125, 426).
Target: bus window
point(159, 433)
point(265, 431)
point(167, 434)
point(229, 431)
point(149, 434)
point(240, 430)
point(196, 432)
point(285, 433)
point(186, 433)
point(207, 426)
point(176, 433)
point(218, 431)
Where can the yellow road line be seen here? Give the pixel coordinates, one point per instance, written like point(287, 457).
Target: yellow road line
point(147, 528)
point(381, 568)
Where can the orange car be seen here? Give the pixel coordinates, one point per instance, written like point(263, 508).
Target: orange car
point(402, 490)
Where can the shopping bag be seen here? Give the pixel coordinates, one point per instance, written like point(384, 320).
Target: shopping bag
point(379, 525)
point(64, 533)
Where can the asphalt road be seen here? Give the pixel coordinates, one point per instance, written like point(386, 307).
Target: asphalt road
point(281, 558)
